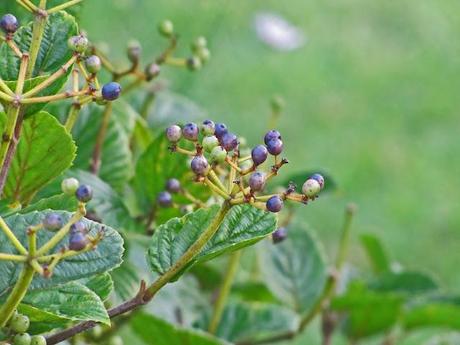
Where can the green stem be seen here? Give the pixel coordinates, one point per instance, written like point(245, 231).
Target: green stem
point(37, 35)
point(63, 6)
point(224, 291)
point(17, 294)
point(72, 117)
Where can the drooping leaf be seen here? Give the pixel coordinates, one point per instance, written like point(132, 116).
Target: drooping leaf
point(242, 226)
point(404, 282)
point(295, 269)
point(106, 257)
point(375, 253)
point(101, 285)
point(44, 151)
point(72, 301)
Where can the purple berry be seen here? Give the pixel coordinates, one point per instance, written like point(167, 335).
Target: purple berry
point(111, 91)
point(9, 23)
point(259, 154)
point(190, 131)
point(319, 178)
point(220, 130)
point(84, 193)
point(279, 235)
point(77, 241)
point(208, 127)
point(53, 221)
point(79, 226)
point(173, 185)
point(165, 199)
point(275, 147)
point(274, 204)
point(93, 64)
point(229, 141)
point(174, 133)
point(257, 181)
point(199, 165)
point(273, 134)
point(78, 43)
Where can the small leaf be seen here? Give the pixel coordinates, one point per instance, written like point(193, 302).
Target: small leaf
point(375, 252)
point(295, 270)
point(101, 284)
point(403, 282)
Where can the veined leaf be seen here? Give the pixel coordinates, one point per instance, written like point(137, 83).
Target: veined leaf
point(101, 285)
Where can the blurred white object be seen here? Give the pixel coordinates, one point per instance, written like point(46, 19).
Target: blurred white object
point(277, 32)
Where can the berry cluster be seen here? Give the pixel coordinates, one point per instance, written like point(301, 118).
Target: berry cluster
point(185, 204)
point(220, 155)
point(18, 325)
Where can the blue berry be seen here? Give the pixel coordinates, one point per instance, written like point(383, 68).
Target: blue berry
point(111, 91)
point(79, 226)
point(164, 199)
point(77, 241)
point(208, 127)
point(173, 185)
point(209, 143)
point(259, 154)
point(84, 193)
point(199, 165)
point(218, 154)
point(38, 340)
point(220, 130)
point(9, 23)
point(229, 141)
point(275, 146)
point(319, 178)
point(93, 64)
point(19, 323)
point(257, 181)
point(279, 235)
point(274, 204)
point(311, 188)
point(190, 131)
point(273, 134)
point(69, 185)
point(21, 339)
point(53, 221)
point(174, 133)
point(78, 43)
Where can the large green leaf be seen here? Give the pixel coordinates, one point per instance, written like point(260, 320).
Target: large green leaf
point(101, 285)
point(59, 202)
point(41, 321)
point(404, 282)
point(375, 252)
point(105, 257)
point(295, 270)
point(156, 331)
point(44, 151)
point(242, 226)
point(72, 301)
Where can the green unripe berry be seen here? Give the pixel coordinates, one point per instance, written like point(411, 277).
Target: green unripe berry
point(70, 185)
point(38, 340)
point(22, 339)
point(204, 54)
point(115, 340)
point(20, 323)
point(194, 63)
point(209, 143)
point(15, 313)
point(78, 43)
point(134, 51)
point(199, 43)
point(218, 154)
point(311, 188)
point(166, 28)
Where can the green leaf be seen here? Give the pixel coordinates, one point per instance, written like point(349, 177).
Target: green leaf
point(300, 177)
point(242, 226)
point(295, 269)
point(126, 281)
point(404, 282)
point(253, 292)
point(73, 301)
point(44, 151)
point(375, 253)
point(250, 322)
point(101, 284)
point(156, 331)
point(59, 202)
point(41, 321)
point(106, 257)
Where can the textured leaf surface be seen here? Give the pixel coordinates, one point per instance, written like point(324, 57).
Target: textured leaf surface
point(242, 226)
point(44, 151)
point(106, 257)
point(101, 285)
point(59, 202)
point(295, 269)
point(375, 252)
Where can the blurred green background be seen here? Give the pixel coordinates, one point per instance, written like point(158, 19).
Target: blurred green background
point(372, 98)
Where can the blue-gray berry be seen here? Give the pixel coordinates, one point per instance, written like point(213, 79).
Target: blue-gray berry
point(190, 131)
point(173, 185)
point(84, 193)
point(229, 141)
point(275, 204)
point(257, 181)
point(111, 91)
point(9, 23)
point(273, 134)
point(164, 199)
point(259, 154)
point(77, 241)
point(53, 221)
point(199, 165)
point(279, 235)
point(174, 133)
point(275, 146)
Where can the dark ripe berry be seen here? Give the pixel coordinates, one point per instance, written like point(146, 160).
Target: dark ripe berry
point(53, 221)
point(173, 185)
point(69, 185)
point(19, 323)
point(22, 339)
point(229, 141)
point(190, 131)
point(166, 28)
point(259, 154)
point(111, 91)
point(218, 154)
point(199, 165)
point(274, 204)
point(152, 70)
point(279, 235)
point(78, 43)
point(209, 143)
point(194, 63)
point(174, 133)
point(9, 23)
point(77, 241)
point(79, 226)
point(275, 147)
point(93, 64)
point(38, 340)
point(134, 51)
point(311, 188)
point(84, 193)
point(319, 178)
point(164, 199)
point(208, 127)
point(220, 130)
point(273, 134)
point(257, 181)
